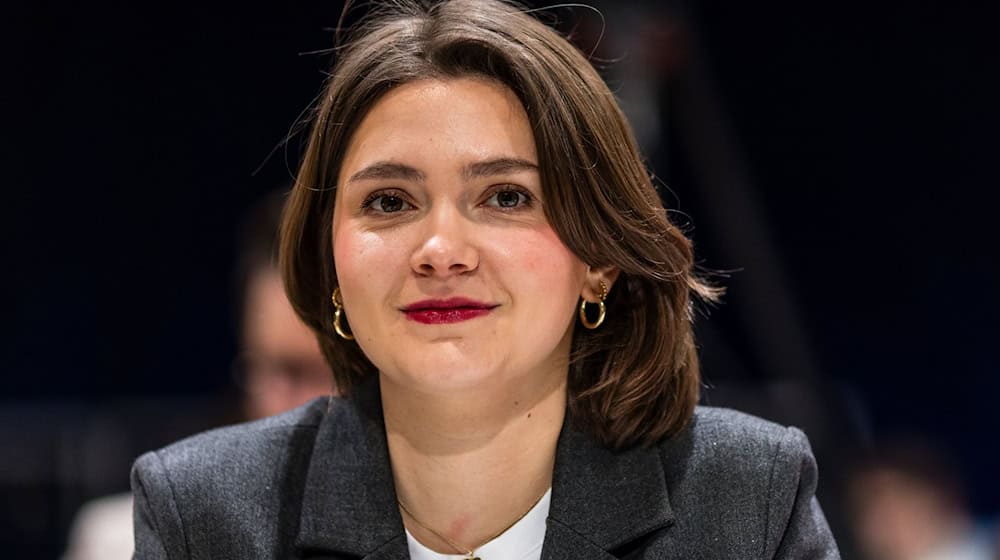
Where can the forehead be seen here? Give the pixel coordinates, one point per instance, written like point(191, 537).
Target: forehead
point(428, 121)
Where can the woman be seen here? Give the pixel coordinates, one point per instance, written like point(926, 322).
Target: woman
point(470, 193)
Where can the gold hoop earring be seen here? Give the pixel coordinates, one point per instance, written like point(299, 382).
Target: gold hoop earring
point(338, 310)
point(601, 309)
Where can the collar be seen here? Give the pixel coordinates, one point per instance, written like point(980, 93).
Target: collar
point(601, 499)
point(349, 499)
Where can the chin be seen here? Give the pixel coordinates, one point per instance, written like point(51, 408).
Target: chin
point(438, 373)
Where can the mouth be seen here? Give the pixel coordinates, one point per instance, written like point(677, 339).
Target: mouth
point(451, 310)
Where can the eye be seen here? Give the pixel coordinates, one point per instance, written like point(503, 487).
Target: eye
point(509, 198)
point(385, 203)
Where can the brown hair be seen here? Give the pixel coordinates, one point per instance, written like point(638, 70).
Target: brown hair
point(633, 380)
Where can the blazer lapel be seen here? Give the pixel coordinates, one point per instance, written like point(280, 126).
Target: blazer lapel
point(349, 502)
point(603, 500)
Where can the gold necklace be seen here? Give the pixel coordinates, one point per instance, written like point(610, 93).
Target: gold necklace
point(470, 554)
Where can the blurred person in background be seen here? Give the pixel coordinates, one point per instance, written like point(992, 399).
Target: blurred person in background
point(279, 368)
point(909, 504)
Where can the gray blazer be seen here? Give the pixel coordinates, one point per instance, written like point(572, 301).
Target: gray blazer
point(316, 483)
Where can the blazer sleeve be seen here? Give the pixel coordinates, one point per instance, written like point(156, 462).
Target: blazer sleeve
point(159, 530)
point(796, 527)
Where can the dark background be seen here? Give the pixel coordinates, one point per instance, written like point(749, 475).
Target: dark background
point(862, 137)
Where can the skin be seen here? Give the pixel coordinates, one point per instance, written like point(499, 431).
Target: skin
point(473, 409)
point(900, 517)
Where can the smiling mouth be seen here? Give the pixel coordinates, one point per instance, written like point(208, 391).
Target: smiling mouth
point(452, 310)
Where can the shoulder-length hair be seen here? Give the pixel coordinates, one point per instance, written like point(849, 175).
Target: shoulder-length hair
point(633, 380)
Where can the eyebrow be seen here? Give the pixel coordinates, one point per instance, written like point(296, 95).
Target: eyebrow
point(387, 170)
point(498, 166)
point(487, 168)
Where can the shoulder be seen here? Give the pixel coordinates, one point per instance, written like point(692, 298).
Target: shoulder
point(241, 444)
point(732, 450)
point(744, 480)
point(227, 489)
point(723, 434)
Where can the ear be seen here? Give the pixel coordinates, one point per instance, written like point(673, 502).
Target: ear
point(595, 275)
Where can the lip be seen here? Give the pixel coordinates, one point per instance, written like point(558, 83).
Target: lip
point(450, 310)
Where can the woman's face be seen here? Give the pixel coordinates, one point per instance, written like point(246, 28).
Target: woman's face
point(450, 274)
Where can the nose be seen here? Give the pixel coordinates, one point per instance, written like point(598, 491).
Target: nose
point(446, 247)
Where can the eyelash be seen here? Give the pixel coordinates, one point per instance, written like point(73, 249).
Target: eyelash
point(370, 200)
point(527, 202)
point(529, 199)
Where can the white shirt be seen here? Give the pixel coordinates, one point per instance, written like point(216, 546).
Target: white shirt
point(523, 541)
point(102, 530)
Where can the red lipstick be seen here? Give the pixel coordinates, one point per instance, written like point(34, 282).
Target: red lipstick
point(451, 310)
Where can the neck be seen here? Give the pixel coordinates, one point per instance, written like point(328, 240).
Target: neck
point(468, 466)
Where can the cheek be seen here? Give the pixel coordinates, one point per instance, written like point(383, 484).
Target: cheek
point(556, 274)
point(363, 261)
